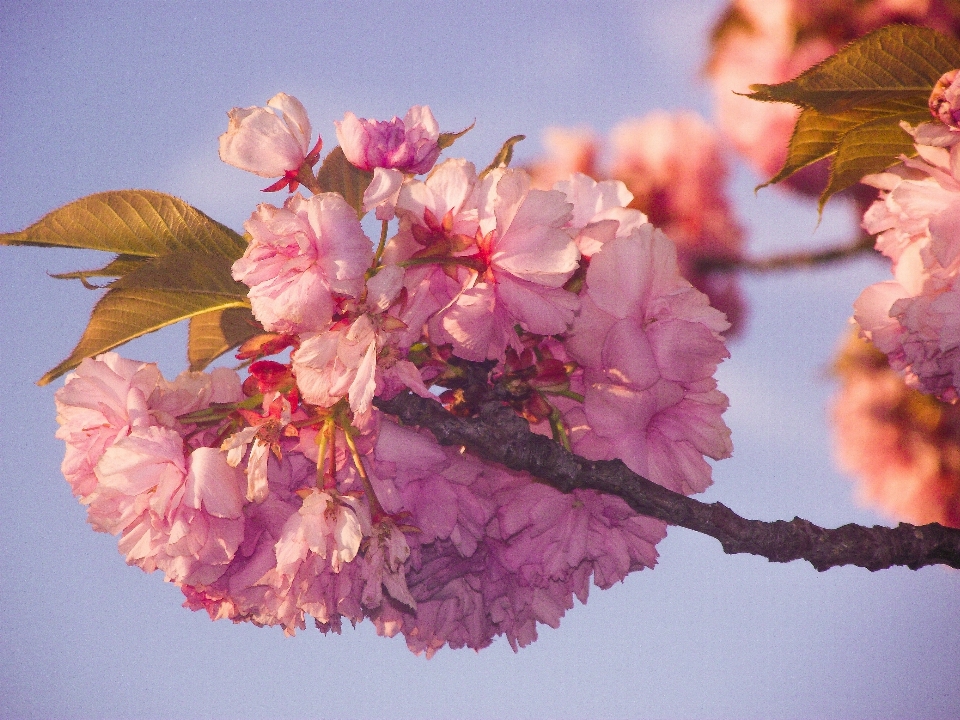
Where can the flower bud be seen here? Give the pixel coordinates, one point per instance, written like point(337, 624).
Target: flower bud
point(409, 145)
point(945, 99)
point(260, 141)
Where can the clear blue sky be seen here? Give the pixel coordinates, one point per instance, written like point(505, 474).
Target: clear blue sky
point(97, 96)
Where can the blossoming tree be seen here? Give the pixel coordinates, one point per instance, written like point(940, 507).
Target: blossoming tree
point(454, 429)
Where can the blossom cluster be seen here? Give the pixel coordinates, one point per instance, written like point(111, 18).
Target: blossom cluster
point(288, 494)
point(676, 169)
point(772, 41)
point(913, 318)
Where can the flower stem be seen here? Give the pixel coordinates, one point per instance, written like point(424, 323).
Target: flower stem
point(376, 509)
point(382, 244)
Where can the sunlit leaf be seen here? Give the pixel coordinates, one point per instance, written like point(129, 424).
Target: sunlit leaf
point(214, 333)
point(158, 292)
point(853, 103)
point(338, 175)
point(867, 149)
point(119, 266)
point(505, 155)
point(185, 272)
point(140, 223)
point(895, 63)
point(124, 314)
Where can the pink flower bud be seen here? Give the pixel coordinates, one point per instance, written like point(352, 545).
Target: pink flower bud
point(260, 141)
point(409, 145)
point(945, 99)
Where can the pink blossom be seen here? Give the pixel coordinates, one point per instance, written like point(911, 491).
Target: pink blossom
point(649, 344)
point(383, 192)
point(301, 258)
point(527, 257)
point(327, 526)
point(99, 403)
point(945, 100)
point(356, 356)
point(495, 553)
point(600, 211)
point(260, 141)
point(385, 568)
point(409, 145)
point(438, 220)
point(183, 517)
point(913, 318)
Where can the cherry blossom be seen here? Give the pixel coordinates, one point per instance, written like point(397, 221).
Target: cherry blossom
point(99, 403)
point(300, 259)
point(649, 344)
point(913, 317)
point(409, 145)
point(260, 141)
point(526, 257)
point(290, 495)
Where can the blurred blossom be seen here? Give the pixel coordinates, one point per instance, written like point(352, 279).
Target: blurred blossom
point(903, 447)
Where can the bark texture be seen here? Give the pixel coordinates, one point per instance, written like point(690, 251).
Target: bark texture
point(496, 433)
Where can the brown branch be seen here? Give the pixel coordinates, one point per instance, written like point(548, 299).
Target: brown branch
point(499, 435)
point(788, 261)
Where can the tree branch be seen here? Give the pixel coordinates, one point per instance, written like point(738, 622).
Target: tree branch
point(498, 434)
point(788, 261)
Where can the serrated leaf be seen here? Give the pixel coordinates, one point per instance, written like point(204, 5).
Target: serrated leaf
point(158, 292)
point(120, 265)
point(897, 63)
point(868, 148)
point(184, 272)
point(504, 156)
point(124, 314)
point(338, 175)
point(853, 103)
point(141, 223)
point(214, 333)
point(448, 138)
point(817, 135)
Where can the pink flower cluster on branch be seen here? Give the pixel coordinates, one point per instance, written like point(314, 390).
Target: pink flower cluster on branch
point(290, 495)
point(913, 318)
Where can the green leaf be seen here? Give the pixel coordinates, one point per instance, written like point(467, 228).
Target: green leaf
point(124, 314)
point(867, 149)
point(338, 175)
point(120, 265)
point(184, 272)
point(899, 63)
point(140, 223)
point(448, 138)
point(214, 333)
point(853, 103)
point(503, 158)
point(173, 263)
point(158, 292)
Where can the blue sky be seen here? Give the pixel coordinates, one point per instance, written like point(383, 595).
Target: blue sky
point(97, 96)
